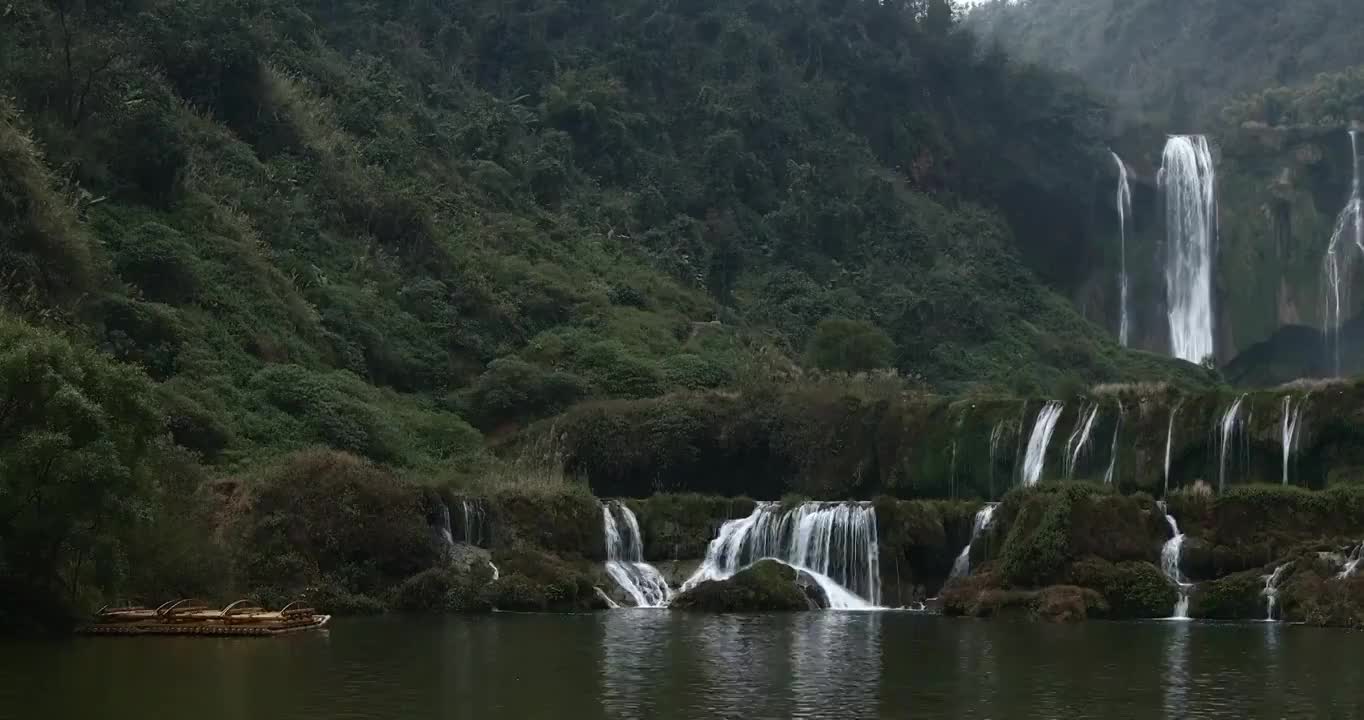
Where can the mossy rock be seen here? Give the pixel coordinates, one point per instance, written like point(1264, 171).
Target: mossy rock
point(1131, 589)
point(981, 596)
point(559, 522)
point(1314, 595)
point(443, 589)
point(535, 581)
point(680, 527)
point(767, 586)
point(1238, 596)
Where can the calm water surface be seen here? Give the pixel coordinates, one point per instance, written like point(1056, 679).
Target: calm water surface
point(657, 664)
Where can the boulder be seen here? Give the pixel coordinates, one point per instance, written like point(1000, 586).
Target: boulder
point(766, 586)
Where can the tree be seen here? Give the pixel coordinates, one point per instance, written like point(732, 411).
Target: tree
point(75, 432)
point(849, 346)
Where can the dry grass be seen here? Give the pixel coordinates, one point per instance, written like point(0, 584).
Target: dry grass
point(1143, 389)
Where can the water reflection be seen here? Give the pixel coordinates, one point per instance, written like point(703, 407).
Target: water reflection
point(836, 658)
point(1175, 679)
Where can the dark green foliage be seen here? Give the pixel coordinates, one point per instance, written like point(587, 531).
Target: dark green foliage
point(1234, 597)
point(678, 527)
point(980, 596)
point(849, 346)
point(767, 586)
point(1131, 589)
point(78, 451)
point(440, 589)
point(512, 391)
point(328, 519)
point(536, 581)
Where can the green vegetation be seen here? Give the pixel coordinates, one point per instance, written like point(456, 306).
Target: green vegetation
point(767, 586)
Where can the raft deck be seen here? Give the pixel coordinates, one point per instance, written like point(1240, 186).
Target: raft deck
point(185, 617)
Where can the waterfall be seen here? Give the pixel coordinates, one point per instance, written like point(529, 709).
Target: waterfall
point(1036, 457)
point(1352, 562)
point(962, 566)
point(836, 543)
point(1169, 562)
point(496, 573)
point(474, 530)
point(1079, 438)
point(1271, 591)
point(1124, 204)
point(996, 438)
point(1336, 266)
point(1228, 426)
point(1169, 441)
point(445, 533)
point(1190, 183)
point(625, 558)
point(1110, 475)
point(1292, 416)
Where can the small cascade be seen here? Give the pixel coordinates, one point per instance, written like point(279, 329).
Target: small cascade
point(1124, 205)
point(962, 566)
point(446, 534)
point(625, 558)
point(1169, 441)
point(836, 543)
point(952, 473)
point(1336, 267)
point(1227, 427)
point(474, 529)
point(1169, 563)
point(1292, 416)
point(610, 604)
point(1111, 474)
point(496, 573)
point(1352, 562)
point(1079, 438)
point(1042, 429)
point(1190, 182)
point(1271, 591)
point(996, 438)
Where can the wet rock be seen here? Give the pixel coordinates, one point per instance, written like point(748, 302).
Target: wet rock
point(766, 586)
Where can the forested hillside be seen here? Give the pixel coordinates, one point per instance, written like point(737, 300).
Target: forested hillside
point(1175, 62)
point(235, 229)
point(370, 225)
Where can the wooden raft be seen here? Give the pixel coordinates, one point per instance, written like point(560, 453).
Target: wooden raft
point(189, 617)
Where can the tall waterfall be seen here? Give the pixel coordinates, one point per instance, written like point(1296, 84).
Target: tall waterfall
point(1042, 428)
point(835, 542)
point(1190, 183)
point(1111, 475)
point(1124, 204)
point(1169, 441)
point(1079, 438)
point(625, 558)
point(1227, 428)
point(962, 566)
point(1292, 421)
point(1352, 562)
point(1271, 591)
point(1169, 562)
point(1336, 267)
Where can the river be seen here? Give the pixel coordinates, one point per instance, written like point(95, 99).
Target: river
point(659, 664)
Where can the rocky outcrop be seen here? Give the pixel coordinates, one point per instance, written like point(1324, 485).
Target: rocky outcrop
point(767, 586)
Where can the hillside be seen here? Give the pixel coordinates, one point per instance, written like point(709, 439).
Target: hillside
point(369, 226)
point(1174, 62)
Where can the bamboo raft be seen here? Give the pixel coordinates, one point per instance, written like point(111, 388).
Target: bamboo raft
point(190, 617)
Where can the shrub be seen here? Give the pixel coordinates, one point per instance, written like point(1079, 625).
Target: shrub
point(1131, 589)
point(767, 586)
point(849, 346)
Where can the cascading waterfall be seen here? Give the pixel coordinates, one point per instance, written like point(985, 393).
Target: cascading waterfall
point(1124, 204)
point(625, 558)
point(1042, 429)
point(1228, 426)
point(1079, 437)
point(1292, 417)
point(1352, 562)
point(1111, 474)
point(1336, 266)
point(1190, 183)
point(1169, 563)
point(1169, 442)
point(474, 530)
point(962, 566)
point(1271, 591)
point(996, 439)
point(836, 543)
